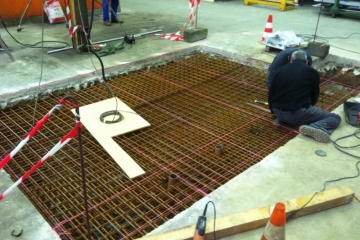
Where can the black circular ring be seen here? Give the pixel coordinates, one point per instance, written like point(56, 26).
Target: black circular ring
point(108, 113)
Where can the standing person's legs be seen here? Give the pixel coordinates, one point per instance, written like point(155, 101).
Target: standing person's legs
point(105, 9)
point(114, 6)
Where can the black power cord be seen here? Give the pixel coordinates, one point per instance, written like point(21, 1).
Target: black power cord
point(307, 37)
point(113, 112)
point(109, 113)
point(34, 45)
point(338, 147)
point(214, 217)
point(201, 223)
point(89, 48)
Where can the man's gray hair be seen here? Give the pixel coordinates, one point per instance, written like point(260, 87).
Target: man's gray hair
point(299, 55)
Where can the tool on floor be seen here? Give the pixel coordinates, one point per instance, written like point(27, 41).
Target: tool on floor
point(261, 102)
point(320, 153)
point(255, 130)
point(201, 226)
point(129, 39)
point(109, 49)
point(258, 107)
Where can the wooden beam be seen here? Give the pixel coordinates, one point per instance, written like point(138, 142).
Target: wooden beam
point(256, 218)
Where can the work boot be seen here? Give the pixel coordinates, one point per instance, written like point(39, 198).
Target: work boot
point(117, 21)
point(107, 23)
point(317, 134)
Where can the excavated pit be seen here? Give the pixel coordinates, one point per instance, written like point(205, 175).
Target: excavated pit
point(192, 104)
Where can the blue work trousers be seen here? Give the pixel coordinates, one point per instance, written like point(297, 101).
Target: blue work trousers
point(105, 9)
point(313, 116)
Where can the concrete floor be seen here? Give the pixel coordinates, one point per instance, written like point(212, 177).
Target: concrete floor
point(291, 171)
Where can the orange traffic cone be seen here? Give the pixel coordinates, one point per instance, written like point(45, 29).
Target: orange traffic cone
point(275, 227)
point(268, 29)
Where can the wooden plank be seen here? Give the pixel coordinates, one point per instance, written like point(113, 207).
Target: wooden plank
point(103, 133)
point(256, 218)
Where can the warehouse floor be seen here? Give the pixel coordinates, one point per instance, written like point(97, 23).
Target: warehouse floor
point(289, 172)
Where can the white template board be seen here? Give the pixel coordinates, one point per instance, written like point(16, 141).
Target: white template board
point(103, 133)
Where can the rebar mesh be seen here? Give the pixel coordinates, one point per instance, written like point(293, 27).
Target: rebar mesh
point(192, 104)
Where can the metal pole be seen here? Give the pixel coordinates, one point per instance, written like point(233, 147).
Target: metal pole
point(4, 47)
point(79, 16)
point(135, 35)
point(196, 12)
point(83, 177)
point(103, 41)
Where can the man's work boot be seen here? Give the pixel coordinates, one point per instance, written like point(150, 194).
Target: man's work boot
point(317, 134)
point(117, 21)
point(107, 23)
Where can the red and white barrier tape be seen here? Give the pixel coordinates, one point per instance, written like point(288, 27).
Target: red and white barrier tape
point(191, 19)
point(73, 133)
point(190, 22)
point(170, 36)
point(33, 131)
point(72, 29)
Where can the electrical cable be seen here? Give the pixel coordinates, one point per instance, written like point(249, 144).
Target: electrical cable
point(201, 224)
point(41, 69)
point(40, 78)
point(338, 147)
point(91, 18)
point(324, 40)
point(214, 217)
point(113, 112)
point(317, 24)
point(344, 49)
point(109, 113)
point(330, 37)
point(88, 45)
point(27, 6)
point(34, 45)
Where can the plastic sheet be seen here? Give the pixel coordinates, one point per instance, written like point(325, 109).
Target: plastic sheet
point(283, 39)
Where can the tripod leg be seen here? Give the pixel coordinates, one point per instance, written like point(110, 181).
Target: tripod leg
point(3, 45)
